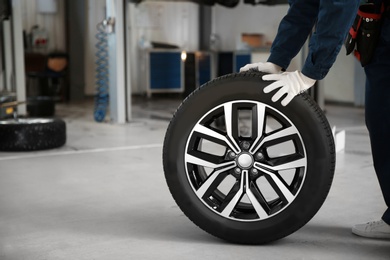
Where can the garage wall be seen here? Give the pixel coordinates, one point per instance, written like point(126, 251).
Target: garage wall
point(54, 23)
point(343, 79)
point(229, 23)
point(174, 23)
point(159, 21)
point(169, 22)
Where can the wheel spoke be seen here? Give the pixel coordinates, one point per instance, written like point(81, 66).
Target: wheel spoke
point(283, 166)
point(201, 162)
point(276, 135)
point(231, 127)
point(214, 179)
point(255, 203)
point(215, 136)
point(237, 197)
point(258, 126)
point(290, 165)
point(259, 197)
point(203, 159)
point(279, 134)
point(279, 185)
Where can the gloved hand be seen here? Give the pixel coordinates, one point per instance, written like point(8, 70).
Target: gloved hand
point(266, 67)
point(290, 83)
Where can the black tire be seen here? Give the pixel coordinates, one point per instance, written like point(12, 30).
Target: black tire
point(41, 106)
point(32, 134)
point(233, 183)
point(228, 3)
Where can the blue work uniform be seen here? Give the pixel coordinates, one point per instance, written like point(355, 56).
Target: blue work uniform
point(332, 20)
point(377, 106)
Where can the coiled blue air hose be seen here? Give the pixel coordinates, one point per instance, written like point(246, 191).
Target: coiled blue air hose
point(102, 73)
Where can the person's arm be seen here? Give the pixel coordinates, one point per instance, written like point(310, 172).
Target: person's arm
point(334, 20)
point(293, 31)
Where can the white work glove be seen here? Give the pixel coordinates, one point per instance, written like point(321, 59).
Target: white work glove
point(266, 67)
point(290, 83)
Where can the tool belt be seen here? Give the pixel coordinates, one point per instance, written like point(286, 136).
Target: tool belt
point(364, 34)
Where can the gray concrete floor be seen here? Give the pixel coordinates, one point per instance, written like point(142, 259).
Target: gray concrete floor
point(103, 196)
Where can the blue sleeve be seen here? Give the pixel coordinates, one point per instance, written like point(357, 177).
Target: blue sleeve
point(333, 18)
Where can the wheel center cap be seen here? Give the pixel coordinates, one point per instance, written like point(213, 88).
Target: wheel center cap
point(245, 160)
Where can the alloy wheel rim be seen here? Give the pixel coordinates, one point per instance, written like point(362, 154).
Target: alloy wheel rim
point(26, 121)
point(245, 160)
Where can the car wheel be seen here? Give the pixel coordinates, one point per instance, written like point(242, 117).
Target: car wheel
point(31, 134)
point(246, 169)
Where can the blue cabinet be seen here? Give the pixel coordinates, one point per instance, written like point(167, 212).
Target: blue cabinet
point(204, 68)
point(241, 60)
point(168, 72)
point(165, 72)
point(232, 61)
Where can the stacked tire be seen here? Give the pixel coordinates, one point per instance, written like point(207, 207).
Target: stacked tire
point(31, 134)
